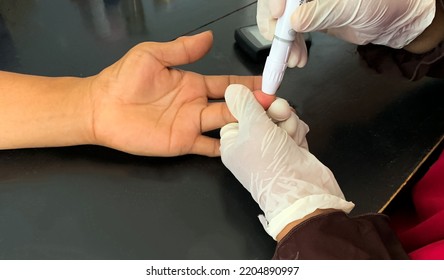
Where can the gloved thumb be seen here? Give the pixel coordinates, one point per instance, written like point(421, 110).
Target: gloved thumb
point(239, 139)
point(244, 106)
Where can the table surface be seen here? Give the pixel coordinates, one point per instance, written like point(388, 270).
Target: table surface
point(90, 202)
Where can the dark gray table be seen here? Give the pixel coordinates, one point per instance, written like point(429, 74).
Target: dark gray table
point(91, 202)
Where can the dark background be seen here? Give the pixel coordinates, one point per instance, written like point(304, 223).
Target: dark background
point(90, 202)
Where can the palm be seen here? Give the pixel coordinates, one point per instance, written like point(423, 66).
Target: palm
point(144, 107)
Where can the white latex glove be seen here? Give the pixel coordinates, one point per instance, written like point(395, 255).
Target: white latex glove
point(266, 22)
point(285, 117)
point(285, 179)
point(393, 23)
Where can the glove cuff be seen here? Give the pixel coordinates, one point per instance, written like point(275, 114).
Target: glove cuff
point(302, 208)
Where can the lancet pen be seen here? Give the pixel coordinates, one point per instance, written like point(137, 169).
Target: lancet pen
point(277, 59)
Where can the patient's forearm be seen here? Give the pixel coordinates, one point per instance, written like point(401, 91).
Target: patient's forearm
point(40, 111)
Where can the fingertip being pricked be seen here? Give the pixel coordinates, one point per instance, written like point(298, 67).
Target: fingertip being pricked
point(264, 99)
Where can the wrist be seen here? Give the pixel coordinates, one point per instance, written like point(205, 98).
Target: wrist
point(82, 90)
point(432, 35)
point(295, 223)
point(68, 121)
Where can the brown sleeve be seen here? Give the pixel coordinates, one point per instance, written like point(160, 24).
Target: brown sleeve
point(412, 66)
point(340, 237)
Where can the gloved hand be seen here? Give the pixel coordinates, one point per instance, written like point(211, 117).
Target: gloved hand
point(283, 177)
point(266, 22)
point(284, 117)
point(392, 23)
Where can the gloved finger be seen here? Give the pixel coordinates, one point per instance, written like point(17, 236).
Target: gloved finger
point(277, 7)
point(318, 15)
point(229, 130)
point(296, 129)
point(336, 18)
point(265, 22)
point(228, 138)
point(279, 110)
point(299, 54)
point(244, 106)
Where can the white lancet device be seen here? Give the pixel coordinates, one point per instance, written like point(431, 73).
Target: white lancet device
point(276, 62)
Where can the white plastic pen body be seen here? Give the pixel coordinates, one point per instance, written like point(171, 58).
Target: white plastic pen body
point(277, 59)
